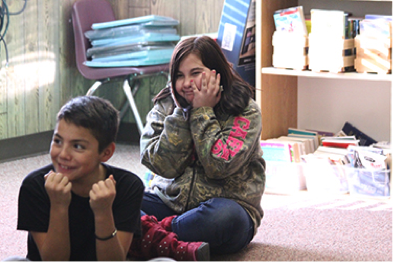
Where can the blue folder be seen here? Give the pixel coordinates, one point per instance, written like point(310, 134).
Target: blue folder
point(141, 58)
point(152, 20)
point(149, 37)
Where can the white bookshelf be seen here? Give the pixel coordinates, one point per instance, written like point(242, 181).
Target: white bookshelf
point(282, 94)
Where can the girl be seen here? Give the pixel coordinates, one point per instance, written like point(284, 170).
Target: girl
point(201, 140)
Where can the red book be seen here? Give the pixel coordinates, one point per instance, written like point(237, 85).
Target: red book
point(339, 143)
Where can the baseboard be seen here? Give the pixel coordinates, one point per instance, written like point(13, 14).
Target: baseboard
point(39, 143)
point(128, 133)
point(25, 146)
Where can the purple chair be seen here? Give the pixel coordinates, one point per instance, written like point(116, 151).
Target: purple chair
point(84, 14)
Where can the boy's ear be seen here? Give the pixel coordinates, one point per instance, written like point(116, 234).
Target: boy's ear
point(107, 153)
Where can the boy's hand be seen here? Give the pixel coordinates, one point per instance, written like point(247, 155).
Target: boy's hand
point(58, 188)
point(102, 195)
point(207, 92)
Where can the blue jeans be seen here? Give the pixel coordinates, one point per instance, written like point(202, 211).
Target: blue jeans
point(221, 222)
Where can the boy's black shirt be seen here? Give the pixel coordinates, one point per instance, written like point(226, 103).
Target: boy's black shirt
point(34, 209)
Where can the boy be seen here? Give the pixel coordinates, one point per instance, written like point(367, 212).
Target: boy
point(78, 207)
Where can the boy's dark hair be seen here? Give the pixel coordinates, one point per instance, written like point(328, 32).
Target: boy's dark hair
point(94, 113)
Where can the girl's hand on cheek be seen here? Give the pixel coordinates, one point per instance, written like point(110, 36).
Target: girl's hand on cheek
point(208, 93)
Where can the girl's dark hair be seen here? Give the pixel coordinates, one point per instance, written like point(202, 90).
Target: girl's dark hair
point(94, 113)
point(237, 92)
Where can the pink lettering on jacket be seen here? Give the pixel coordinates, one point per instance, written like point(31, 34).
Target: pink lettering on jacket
point(232, 145)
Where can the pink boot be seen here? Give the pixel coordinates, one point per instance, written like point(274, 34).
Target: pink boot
point(166, 223)
point(157, 242)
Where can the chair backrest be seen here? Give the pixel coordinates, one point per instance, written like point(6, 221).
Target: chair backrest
point(84, 14)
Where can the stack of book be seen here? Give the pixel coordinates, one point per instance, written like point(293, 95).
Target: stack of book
point(324, 162)
point(374, 46)
point(290, 40)
point(140, 41)
point(329, 48)
point(284, 172)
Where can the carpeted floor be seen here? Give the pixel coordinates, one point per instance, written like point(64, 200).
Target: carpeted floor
point(297, 227)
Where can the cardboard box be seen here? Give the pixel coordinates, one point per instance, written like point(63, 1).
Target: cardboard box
point(236, 36)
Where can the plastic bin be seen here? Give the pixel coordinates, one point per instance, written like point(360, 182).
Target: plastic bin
point(322, 179)
point(374, 184)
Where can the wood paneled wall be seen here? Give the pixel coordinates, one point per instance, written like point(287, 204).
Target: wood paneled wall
point(40, 74)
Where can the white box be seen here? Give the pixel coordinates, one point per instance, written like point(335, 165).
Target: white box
point(284, 178)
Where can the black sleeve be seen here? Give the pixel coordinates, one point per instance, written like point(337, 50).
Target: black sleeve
point(33, 202)
point(127, 204)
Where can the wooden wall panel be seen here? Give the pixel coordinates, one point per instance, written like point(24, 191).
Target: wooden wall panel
point(3, 96)
point(139, 8)
point(31, 79)
point(188, 21)
point(48, 47)
point(15, 72)
point(3, 102)
point(69, 75)
point(206, 18)
point(42, 75)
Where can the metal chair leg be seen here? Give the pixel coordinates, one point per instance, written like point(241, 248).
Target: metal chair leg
point(130, 97)
point(93, 88)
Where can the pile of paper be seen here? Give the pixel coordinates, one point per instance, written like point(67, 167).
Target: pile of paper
point(140, 41)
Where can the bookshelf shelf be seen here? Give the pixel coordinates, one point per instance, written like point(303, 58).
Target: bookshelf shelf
point(308, 73)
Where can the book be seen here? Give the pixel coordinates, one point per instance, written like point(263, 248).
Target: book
point(336, 155)
point(322, 133)
point(382, 144)
point(339, 138)
point(304, 144)
point(339, 143)
point(378, 28)
point(312, 142)
point(295, 148)
point(290, 20)
point(295, 132)
point(333, 150)
point(276, 151)
point(364, 140)
point(328, 22)
point(292, 130)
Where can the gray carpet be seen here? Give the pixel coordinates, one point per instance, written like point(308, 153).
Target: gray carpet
point(297, 227)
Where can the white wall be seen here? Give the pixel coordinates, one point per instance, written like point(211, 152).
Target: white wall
point(326, 104)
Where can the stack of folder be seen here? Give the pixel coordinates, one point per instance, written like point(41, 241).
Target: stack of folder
point(140, 41)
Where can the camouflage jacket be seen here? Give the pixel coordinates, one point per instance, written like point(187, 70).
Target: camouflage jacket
point(205, 156)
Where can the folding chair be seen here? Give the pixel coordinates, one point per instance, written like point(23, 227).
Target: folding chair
point(84, 14)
